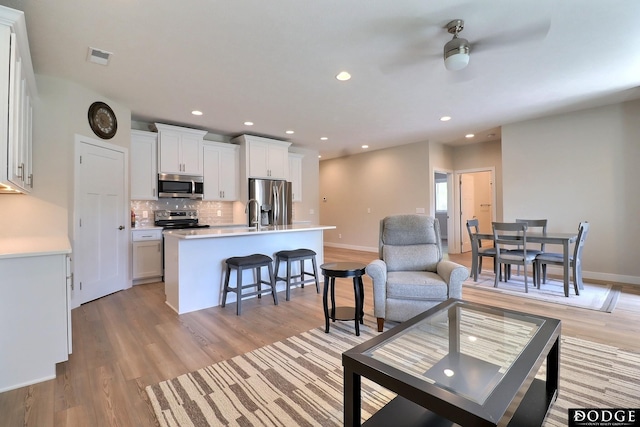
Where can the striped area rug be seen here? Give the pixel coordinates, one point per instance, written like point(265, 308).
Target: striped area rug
point(298, 382)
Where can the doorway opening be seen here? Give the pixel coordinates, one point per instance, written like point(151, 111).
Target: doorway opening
point(443, 202)
point(476, 198)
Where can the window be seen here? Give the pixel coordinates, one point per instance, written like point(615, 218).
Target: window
point(441, 196)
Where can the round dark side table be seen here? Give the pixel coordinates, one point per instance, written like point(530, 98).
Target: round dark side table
point(332, 270)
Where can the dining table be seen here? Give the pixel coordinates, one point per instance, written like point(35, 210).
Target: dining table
point(551, 238)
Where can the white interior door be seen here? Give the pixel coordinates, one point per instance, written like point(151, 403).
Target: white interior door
point(101, 239)
point(467, 208)
point(483, 200)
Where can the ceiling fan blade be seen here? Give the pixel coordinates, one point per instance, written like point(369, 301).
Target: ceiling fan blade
point(510, 38)
point(416, 55)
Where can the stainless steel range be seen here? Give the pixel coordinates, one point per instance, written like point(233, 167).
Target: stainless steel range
point(177, 219)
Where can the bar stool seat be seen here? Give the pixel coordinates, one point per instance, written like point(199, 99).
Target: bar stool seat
point(254, 262)
point(291, 256)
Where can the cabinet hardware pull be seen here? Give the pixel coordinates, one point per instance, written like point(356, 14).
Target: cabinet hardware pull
point(21, 171)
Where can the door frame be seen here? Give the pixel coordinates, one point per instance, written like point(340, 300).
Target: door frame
point(450, 199)
point(454, 243)
point(78, 141)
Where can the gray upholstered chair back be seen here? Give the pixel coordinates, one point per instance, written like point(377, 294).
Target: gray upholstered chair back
point(410, 243)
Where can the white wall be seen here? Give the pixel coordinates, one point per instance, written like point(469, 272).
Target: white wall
point(59, 112)
point(582, 166)
point(362, 189)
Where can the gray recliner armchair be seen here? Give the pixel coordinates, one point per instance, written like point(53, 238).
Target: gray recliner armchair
point(411, 276)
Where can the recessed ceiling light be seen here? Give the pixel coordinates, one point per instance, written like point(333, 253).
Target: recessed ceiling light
point(248, 123)
point(324, 138)
point(343, 76)
point(365, 146)
point(319, 156)
point(445, 118)
point(289, 132)
point(196, 113)
point(469, 135)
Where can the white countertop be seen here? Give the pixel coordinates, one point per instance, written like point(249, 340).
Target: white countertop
point(146, 227)
point(16, 247)
point(205, 233)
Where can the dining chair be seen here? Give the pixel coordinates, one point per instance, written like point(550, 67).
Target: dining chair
point(539, 224)
point(504, 235)
point(575, 261)
point(478, 252)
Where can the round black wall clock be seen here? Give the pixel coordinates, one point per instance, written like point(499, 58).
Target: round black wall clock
point(102, 120)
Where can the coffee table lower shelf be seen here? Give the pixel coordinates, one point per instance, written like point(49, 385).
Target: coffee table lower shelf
point(401, 412)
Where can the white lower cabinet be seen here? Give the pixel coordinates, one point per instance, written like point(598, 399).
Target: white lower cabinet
point(35, 323)
point(147, 255)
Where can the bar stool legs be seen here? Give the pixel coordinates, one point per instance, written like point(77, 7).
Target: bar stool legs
point(254, 262)
point(297, 279)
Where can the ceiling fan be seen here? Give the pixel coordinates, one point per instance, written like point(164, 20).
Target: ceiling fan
point(456, 51)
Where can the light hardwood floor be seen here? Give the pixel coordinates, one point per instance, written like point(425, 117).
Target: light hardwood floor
point(130, 339)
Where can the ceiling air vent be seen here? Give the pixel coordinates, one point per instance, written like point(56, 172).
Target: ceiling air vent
point(98, 56)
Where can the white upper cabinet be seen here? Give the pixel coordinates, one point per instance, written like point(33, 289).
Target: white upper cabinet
point(144, 165)
point(180, 149)
point(220, 170)
point(295, 176)
point(17, 89)
point(263, 157)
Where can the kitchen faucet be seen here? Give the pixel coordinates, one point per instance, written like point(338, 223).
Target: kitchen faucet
point(256, 220)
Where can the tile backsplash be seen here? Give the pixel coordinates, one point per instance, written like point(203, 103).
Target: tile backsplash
point(209, 212)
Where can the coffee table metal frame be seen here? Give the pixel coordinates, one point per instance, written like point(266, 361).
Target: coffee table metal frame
point(518, 398)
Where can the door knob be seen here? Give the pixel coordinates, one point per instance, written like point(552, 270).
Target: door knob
point(121, 227)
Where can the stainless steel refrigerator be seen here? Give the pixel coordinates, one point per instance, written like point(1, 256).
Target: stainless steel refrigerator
point(273, 198)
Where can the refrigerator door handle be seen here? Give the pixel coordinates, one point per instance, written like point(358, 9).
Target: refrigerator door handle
point(276, 208)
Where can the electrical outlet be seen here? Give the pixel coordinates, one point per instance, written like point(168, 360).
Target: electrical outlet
point(339, 236)
point(420, 210)
point(368, 210)
point(145, 214)
point(311, 212)
point(219, 212)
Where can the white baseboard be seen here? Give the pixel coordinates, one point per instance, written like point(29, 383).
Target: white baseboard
point(352, 247)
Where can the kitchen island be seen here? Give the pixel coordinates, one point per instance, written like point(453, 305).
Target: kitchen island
point(194, 265)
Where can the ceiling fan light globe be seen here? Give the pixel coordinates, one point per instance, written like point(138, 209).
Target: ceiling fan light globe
point(456, 54)
point(456, 61)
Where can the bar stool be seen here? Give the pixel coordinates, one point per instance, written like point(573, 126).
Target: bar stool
point(297, 255)
point(254, 262)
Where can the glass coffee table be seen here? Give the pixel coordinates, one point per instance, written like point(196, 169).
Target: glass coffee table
point(459, 363)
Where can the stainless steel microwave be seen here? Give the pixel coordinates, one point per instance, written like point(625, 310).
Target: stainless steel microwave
point(180, 186)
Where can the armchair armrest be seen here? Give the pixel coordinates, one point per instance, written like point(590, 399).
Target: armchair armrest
point(454, 274)
point(377, 270)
